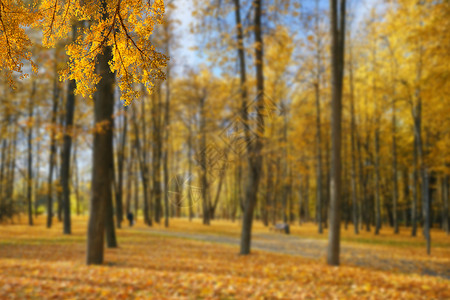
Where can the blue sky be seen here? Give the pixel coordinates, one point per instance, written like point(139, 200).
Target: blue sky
point(184, 57)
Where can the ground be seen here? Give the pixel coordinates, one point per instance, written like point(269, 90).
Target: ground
point(192, 261)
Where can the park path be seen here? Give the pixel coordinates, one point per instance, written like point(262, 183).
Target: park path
point(361, 256)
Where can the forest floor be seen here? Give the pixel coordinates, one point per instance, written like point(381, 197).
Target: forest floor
point(178, 263)
point(398, 253)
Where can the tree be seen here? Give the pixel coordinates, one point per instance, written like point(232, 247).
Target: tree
point(255, 148)
point(337, 19)
point(30, 152)
point(116, 41)
point(52, 159)
point(67, 147)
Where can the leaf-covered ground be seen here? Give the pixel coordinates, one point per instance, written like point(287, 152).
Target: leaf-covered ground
point(386, 251)
point(37, 263)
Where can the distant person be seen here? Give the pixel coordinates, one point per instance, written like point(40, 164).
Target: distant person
point(130, 218)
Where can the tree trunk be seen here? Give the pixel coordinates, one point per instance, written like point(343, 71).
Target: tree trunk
point(52, 150)
point(337, 66)
point(254, 157)
point(377, 182)
point(319, 161)
point(30, 155)
point(414, 191)
point(143, 171)
point(394, 168)
point(37, 167)
point(244, 94)
point(59, 192)
point(136, 189)
point(377, 151)
point(12, 152)
point(110, 232)
point(213, 207)
point(157, 151)
point(306, 198)
point(67, 146)
point(189, 192)
point(203, 162)
point(445, 195)
point(406, 199)
point(166, 149)
point(76, 180)
point(319, 176)
point(120, 169)
point(102, 158)
point(269, 192)
point(285, 180)
point(353, 146)
point(128, 184)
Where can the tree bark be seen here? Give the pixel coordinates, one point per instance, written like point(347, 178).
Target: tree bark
point(67, 147)
point(394, 167)
point(102, 158)
point(414, 191)
point(377, 149)
point(254, 157)
point(52, 150)
point(445, 195)
point(319, 191)
point(203, 162)
point(353, 145)
point(337, 66)
point(30, 154)
point(166, 149)
point(157, 151)
point(191, 211)
point(143, 170)
point(120, 170)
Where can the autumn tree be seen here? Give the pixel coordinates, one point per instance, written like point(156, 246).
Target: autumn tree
point(337, 19)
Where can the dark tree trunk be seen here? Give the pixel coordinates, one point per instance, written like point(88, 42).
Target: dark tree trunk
point(120, 169)
point(203, 162)
point(59, 193)
point(157, 151)
point(166, 149)
point(445, 194)
point(414, 191)
point(52, 151)
point(110, 231)
point(102, 158)
point(128, 184)
point(377, 152)
point(285, 180)
point(143, 171)
point(337, 66)
point(254, 157)
point(377, 182)
point(319, 187)
point(76, 180)
point(30, 155)
point(3, 205)
point(213, 207)
point(306, 198)
point(353, 146)
point(12, 152)
point(269, 194)
point(191, 212)
point(319, 161)
point(406, 199)
point(394, 168)
point(67, 147)
point(37, 167)
point(136, 189)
